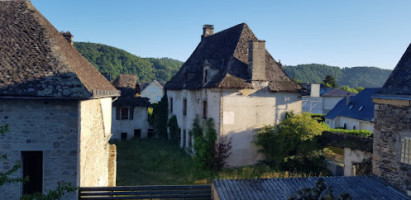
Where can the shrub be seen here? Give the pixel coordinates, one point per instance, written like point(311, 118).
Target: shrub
point(223, 151)
point(362, 133)
point(173, 129)
point(293, 143)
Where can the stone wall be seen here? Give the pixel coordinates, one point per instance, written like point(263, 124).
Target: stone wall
point(112, 166)
point(95, 150)
point(353, 156)
point(50, 126)
point(392, 123)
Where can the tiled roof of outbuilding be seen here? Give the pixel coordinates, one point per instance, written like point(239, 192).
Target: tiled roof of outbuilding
point(127, 84)
point(360, 106)
point(360, 188)
point(37, 61)
point(399, 81)
point(228, 51)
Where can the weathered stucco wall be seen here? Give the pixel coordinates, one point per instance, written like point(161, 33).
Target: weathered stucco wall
point(392, 123)
point(351, 157)
point(240, 113)
point(139, 121)
point(153, 91)
point(50, 126)
point(329, 103)
point(194, 108)
point(313, 104)
point(243, 113)
point(94, 147)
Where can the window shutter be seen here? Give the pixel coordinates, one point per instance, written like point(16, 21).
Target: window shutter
point(131, 113)
point(117, 113)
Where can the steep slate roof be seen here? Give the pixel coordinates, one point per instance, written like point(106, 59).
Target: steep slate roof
point(37, 61)
point(360, 188)
point(337, 93)
point(399, 81)
point(227, 51)
point(361, 99)
point(127, 84)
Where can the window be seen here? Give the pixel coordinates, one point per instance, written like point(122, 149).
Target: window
point(205, 109)
point(351, 106)
point(205, 76)
point(124, 113)
point(345, 126)
point(150, 133)
point(185, 107)
point(123, 136)
point(137, 133)
point(406, 150)
point(184, 138)
point(171, 105)
point(361, 108)
point(33, 168)
point(353, 128)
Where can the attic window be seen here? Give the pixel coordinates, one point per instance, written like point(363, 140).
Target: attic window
point(205, 76)
point(351, 106)
point(361, 108)
point(406, 150)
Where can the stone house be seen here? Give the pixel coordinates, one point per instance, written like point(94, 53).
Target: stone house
point(392, 127)
point(57, 106)
point(321, 99)
point(130, 112)
point(152, 90)
point(231, 78)
point(353, 113)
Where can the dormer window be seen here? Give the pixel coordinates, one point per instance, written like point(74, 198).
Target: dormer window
point(351, 106)
point(205, 75)
point(361, 108)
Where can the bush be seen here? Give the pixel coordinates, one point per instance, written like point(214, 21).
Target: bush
point(293, 144)
point(159, 117)
point(205, 138)
point(223, 151)
point(174, 130)
point(362, 133)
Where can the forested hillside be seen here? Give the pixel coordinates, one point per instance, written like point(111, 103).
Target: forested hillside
point(115, 61)
point(353, 77)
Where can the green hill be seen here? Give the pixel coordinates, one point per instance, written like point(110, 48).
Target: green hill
point(115, 61)
point(353, 77)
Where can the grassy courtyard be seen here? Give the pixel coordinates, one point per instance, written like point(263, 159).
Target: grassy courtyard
point(158, 162)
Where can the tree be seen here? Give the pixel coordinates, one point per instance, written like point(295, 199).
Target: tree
point(159, 117)
point(329, 81)
point(293, 143)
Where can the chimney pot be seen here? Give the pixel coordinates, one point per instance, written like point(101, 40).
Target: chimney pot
point(208, 30)
point(68, 36)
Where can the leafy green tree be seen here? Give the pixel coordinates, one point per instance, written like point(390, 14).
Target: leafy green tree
point(292, 145)
point(173, 129)
point(329, 81)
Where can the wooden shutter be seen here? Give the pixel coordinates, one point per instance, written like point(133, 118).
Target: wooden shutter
point(131, 113)
point(117, 113)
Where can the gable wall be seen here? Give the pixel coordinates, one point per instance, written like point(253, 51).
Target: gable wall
point(94, 137)
point(242, 114)
point(50, 126)
point(153, 92)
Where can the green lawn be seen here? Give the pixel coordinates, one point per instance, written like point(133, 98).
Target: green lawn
point(153, 162)
point(158, 162)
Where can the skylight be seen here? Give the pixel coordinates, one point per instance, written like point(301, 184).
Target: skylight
point(351, 106)
point(361, 108)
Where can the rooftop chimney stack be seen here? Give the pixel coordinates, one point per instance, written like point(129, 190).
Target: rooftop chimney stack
point(256, 60)
point(208, 30)
point(68, 36)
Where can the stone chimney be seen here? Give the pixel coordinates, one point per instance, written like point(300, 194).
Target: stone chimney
point(68, 36)
point(256, 60)
point(315, 90)
point(208, 30)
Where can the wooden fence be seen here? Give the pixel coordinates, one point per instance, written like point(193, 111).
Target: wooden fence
point(146, 192)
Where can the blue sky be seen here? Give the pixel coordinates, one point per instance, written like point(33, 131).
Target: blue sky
point(342, 33)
